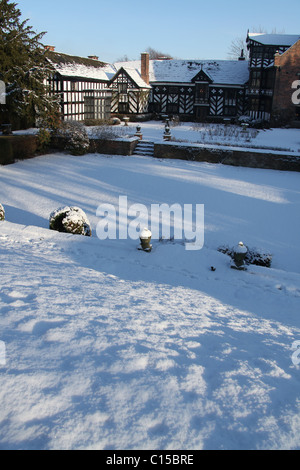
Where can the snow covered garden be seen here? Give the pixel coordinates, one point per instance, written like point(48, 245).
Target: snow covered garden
point(274, 139)
point(105, 346)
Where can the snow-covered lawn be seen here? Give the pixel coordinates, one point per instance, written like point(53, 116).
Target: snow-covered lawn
point(108, 347)
point(219, 134)
point(212, 134)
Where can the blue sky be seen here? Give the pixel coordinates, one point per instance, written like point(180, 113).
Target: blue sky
point(186, 29)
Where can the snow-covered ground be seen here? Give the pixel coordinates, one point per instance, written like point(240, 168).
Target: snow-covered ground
point(275, 139)
point(219, 134)
point(108, 347)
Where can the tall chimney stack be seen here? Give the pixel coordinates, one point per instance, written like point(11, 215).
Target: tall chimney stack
point(242, 56)
point(145, 67)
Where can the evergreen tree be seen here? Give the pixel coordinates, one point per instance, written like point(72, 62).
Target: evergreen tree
point(24, 69)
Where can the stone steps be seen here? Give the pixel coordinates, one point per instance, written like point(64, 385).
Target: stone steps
point(144, 148)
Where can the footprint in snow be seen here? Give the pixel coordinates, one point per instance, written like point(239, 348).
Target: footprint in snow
point(16, 298)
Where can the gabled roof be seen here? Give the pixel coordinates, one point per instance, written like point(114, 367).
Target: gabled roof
point(134, 75)
point(274, 39)
point(233, 72)
point(202, 77)
point(80, 67)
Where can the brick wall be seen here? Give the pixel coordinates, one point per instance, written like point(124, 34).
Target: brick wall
point(287, 71)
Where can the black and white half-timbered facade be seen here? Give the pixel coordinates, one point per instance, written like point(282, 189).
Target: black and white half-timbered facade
point(130, 93)
point(262, 72)
point(82, 84)
point(194, 89)
point(203, 90)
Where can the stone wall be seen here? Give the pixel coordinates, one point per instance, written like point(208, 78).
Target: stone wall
point(14, 148)
point(21, 147)
point(235, 157)
point(114, 147)
point(107, 147)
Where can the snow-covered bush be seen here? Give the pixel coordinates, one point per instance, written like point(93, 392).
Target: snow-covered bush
point(107, 132)
point(70, 220)
point(253, 256)
point(2, 212)
point(224, 135)
point(115, 121)
point(244, 119)
point(252, 122)
point(75, 136)
point(44, 139)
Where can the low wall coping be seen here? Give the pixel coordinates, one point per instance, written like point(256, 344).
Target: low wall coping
point(230, 148)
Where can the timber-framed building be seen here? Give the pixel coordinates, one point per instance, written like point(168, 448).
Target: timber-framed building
point(265, 70)
point(203, 90)
point(82, 85)
point(193, 90)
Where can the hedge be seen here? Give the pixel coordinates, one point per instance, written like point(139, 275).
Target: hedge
point(17, 147)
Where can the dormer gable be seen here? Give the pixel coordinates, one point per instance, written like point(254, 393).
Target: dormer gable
point(130, 77)
point(201, 77)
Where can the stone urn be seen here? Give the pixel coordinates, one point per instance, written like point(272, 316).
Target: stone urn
point(139, 133)
point(167, 133)
point(239, 255)
point(145, 239)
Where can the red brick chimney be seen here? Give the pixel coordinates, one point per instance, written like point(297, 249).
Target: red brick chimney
point(145, 67)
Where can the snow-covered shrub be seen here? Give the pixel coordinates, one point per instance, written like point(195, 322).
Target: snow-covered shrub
point(75, 136)
point(2, 212)
point(253, 256)
point(79, 142)
point(44, 139)
point(175, 121)
point(244, 119)
point(107, 132)
point(115, 121)
point(221, 134)
point(253, 122)
point(70, 220)
point(48, 126)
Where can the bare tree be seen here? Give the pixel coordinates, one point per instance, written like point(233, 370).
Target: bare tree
point(239, 44)
point(125, 58)
point(236, 47)
point(262, 30)
point(154, 54)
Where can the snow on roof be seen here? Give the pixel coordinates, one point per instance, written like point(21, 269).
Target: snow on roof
point(183, 71)
point(136, 77)
point(274, 39)
point(81, 67)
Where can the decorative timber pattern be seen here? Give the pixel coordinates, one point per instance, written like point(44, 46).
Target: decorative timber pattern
point(262, 57)
point(262, 51)
point(216, 102)
point(201, 90)
point(81, 99)
point(127, 96)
